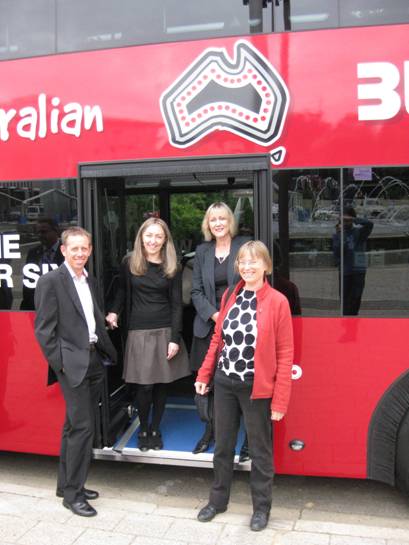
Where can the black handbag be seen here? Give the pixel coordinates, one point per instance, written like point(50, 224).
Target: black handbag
point(204, 405)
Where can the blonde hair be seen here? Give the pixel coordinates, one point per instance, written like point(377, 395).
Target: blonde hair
point(257, 250)
point(207, 234)
point(138, 263)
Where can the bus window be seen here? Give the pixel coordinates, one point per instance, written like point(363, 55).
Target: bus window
point(305, 212)
point(342, 238)
point(315, 14)
point(26, 28)
point(373, 12)
point(32, 216)
point(129, 22)
point(307, 14)
point(376, 270)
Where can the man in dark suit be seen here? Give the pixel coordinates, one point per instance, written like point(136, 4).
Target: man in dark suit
point(70, 329)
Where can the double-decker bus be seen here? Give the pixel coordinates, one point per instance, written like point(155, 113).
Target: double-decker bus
point(296, 114)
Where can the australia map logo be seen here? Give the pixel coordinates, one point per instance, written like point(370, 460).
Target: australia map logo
point(244, 95)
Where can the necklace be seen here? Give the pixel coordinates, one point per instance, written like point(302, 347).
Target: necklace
point(225, 248)
point(221, 259)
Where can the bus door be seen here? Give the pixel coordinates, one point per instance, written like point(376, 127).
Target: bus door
point(115, 199)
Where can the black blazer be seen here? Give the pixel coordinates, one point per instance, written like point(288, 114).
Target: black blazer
point(203, 286)
point(61, 328)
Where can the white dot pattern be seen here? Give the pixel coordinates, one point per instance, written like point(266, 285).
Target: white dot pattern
point(240, 334)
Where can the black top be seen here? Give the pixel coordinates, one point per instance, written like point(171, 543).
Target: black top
point(152, 300)
point(220, 279)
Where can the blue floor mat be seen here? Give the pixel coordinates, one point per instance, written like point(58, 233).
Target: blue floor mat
point(181, 428)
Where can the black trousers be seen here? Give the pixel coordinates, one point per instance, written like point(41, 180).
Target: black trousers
point(354, 285)
point(79, 429)
point(231, 399)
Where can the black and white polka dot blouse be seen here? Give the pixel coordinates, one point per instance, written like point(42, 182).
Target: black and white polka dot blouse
point(240, 333)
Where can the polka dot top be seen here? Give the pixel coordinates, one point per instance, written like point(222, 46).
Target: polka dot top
point(240, 333)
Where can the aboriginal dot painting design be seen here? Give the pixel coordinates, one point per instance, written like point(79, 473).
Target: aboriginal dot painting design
point(242, 94)
point(240, 334)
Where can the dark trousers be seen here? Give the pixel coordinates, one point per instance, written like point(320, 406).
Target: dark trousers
point(79, 429)
point(231, 399)
point(353, 288)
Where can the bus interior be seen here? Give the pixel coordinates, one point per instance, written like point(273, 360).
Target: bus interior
point(114, 201)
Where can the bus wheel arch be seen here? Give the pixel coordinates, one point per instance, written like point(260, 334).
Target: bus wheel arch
point(388, 436)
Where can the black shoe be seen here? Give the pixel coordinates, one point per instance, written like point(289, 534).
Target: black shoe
point(88, 494)
point(155, 440)
point(244, 455)
point(208, 512)
point(259, 520)
point(132, 411)
point(81, 508)
point(143, 441)
point(202, 445)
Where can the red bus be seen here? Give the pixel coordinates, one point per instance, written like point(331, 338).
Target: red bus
point(294, 113)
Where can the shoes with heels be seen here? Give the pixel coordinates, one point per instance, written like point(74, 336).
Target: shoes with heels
point(155, 440)
point(143, 441)
point(202, 445)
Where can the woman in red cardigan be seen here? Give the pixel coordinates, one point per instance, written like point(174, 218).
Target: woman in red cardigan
point(250, 358)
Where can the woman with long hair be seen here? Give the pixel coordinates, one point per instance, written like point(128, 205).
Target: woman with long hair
point(150, 299)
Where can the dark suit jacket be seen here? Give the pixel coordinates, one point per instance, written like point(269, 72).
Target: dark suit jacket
point(203, 286)
point(61, 328)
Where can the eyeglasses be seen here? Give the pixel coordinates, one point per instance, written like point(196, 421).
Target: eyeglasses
point(250, 263)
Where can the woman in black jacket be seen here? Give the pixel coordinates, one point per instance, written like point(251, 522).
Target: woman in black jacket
point(213, 272)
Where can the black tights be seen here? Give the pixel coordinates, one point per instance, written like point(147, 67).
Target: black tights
point(148, 395)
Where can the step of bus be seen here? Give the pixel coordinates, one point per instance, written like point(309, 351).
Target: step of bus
point(181, 429)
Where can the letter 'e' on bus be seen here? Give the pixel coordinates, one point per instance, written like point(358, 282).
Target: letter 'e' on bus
point(380, 90)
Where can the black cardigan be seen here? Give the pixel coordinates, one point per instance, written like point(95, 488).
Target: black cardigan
point(123, 300)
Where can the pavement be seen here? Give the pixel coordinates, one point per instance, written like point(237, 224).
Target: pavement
point(157, 505)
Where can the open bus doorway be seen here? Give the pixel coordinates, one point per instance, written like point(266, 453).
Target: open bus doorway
point(115, 201)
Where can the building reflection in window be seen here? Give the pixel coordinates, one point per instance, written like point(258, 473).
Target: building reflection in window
point(32, 216)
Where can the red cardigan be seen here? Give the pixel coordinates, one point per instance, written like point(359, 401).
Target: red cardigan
point(273, 358)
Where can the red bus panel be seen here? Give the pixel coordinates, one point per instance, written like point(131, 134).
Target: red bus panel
point(345, 106)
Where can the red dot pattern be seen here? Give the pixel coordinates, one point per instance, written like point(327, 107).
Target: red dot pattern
point(216, 73)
